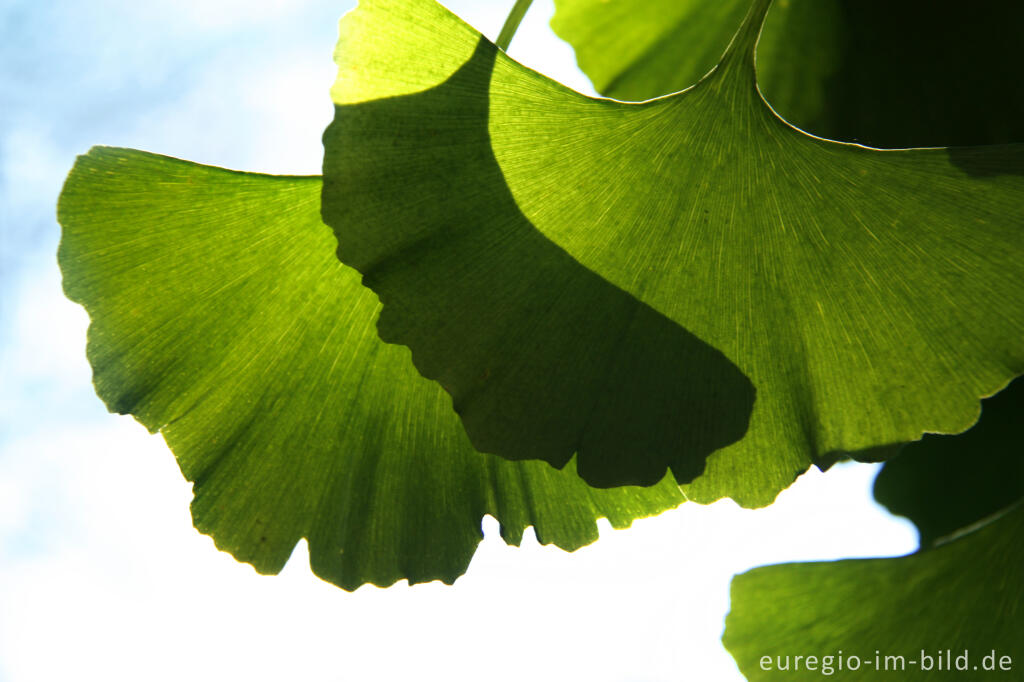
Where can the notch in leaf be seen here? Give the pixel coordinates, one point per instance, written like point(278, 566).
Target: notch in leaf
point(962, 590)
point(221, 318)
point(945, 483)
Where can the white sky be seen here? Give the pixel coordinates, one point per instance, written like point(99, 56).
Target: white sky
point(102, 576)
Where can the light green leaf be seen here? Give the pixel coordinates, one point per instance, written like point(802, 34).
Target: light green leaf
point(601, 278)
point(944, 483)
point(904, 74)
point(635, 49)
point(886, 615)
point(221, 318)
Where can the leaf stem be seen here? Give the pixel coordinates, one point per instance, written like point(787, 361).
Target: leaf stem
point(740, 51)
point(515, 17)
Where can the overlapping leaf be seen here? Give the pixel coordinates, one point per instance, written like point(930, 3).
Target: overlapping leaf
point(903, 74)
point(634, 50)
point(617, 280)
point(962, 596)
point(221, 318)
point(961, 592)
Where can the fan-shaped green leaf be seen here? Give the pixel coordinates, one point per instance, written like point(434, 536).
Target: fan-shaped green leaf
point(221, 318)
point(944, 483)
point(586, 276)
point(887, 617)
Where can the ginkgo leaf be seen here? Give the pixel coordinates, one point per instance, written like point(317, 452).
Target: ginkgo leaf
point(894, 617)
point(635, 50)
point(877, 72)
point(961, 592)
point(221, 318)
point(944, 483)
point(601, 278)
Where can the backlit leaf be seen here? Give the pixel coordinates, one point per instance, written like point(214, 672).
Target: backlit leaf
point(620, 281)
point(221, 318)
point(888, 617)
point(944, 483)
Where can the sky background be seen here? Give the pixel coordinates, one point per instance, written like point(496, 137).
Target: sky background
point(102, 576)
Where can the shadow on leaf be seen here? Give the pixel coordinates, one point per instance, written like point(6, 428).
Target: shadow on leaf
point(466, 281)
point(988, 161)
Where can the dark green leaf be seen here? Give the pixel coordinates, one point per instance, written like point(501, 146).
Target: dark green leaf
point(886, 74)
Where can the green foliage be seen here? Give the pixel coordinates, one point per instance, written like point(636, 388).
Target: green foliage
point(945, 483)
point(578, 257)
point(913, 73)
point(634, 50)
point(960, 592)
point(892, 75)
point(688, 285)
point(221, 318)
point(962, 596)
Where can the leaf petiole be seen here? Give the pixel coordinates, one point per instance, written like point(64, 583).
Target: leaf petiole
point(515, 17)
